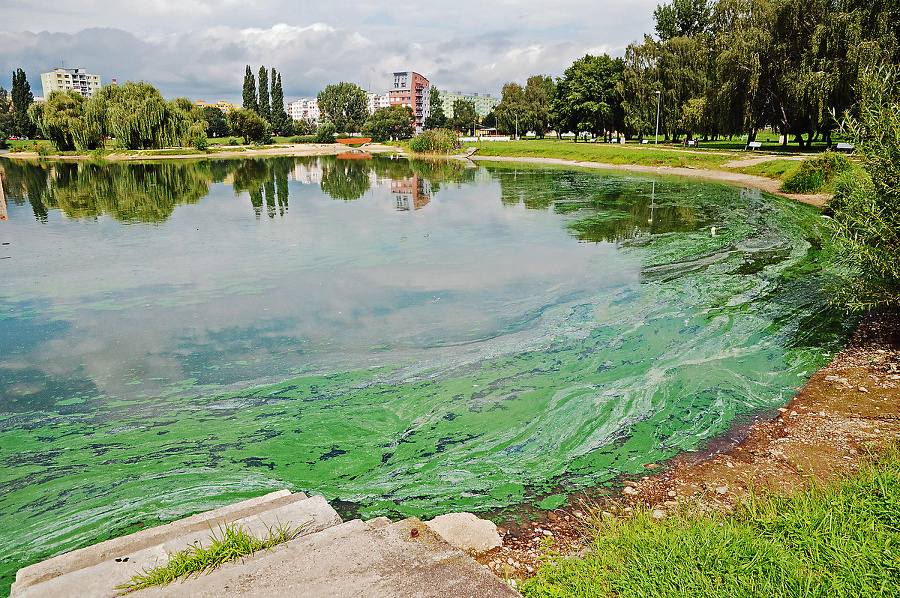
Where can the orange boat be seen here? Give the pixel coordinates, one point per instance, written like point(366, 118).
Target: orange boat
point(354, 156)
point(355, 140)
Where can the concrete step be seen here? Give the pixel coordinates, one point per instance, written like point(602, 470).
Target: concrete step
point(96, 570)
point(359, 559)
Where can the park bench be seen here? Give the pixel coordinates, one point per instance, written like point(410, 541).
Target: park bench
point(691, 143)
point(755, 145)
point(844, 147)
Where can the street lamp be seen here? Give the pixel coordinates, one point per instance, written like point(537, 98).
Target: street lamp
point(658, 94)
point(517, 126)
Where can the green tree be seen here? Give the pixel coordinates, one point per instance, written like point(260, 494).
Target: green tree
point(345, 179)
point(59, 118)
point(139, 118)
point(345, 105)
point(22, 99)
point(865, 211)
point(7, 117)
point(390, 122)
point(216, 121)
point(682, 18)
point(587, 97)
point(464, 116)
point(250, 102)
point(265, 110)
point(280, 120)
point(539, 93)
point(511, 111)
point(638, 87)
point(247, 124)
point(437, 118)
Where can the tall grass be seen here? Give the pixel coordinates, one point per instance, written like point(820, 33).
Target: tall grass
point(836, 540)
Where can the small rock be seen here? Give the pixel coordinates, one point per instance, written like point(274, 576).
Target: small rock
point(466, 532)
point(722, 490)
point(659, 514)
point(672, 493)
point(782, 410)
point(630, 483)
point(863, 389)
point(629, 490)
point(832, 378)
point(794, 413)
point(548, 533)
point(894, 376)
point(651, 465)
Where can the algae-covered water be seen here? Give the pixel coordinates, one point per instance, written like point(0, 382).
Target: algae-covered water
point(406, 338)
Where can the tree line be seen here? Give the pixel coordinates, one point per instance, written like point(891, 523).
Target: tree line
point(719, 68)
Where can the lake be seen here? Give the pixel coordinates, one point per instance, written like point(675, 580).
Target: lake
point(404, 338)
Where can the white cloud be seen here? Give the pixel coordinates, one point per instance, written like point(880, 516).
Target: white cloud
point(199, 48)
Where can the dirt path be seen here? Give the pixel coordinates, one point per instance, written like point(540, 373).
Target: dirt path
point(736, 178)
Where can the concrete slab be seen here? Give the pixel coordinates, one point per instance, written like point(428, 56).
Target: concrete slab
point(467, 532)
point(356, 559)
point(97, 570)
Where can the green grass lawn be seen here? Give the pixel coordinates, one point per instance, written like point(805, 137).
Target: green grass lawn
point(839, 540)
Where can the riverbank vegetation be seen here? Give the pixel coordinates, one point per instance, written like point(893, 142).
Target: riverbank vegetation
point(830, 540)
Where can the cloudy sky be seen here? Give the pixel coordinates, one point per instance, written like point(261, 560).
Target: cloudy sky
point(200, 48)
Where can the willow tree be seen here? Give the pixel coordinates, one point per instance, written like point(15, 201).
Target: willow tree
point(140, 118)
point(59, 118)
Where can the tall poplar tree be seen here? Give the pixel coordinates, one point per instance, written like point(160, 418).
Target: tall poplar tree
point(265, 110)
point(22, 98)
point(279, 117)
point(250, 91)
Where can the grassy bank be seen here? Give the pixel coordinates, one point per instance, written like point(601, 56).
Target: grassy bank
point(838, 540)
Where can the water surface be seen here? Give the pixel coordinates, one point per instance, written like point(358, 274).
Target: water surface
point(405, 337)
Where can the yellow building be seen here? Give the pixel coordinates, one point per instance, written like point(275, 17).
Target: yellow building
point(222, 105)
point(65, 79)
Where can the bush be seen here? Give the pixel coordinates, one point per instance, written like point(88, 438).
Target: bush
point(865, 211)
point(434, 141)
point(303, 139)
point(815, 173)
point(325, 133)
point(234, 141)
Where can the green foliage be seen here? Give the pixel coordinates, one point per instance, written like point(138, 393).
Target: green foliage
point(464, 115)
point(587, 98)
point(815, 173)
point(59, 118)
point(865, 210)
point(346, 180)
point(281, 122)
point(249, 93)
point(22, 98)
point(434, 141)
point(682, 18)
point(248, 124)
point(217, 124)
point(391, 122)
point(437, 118)
point(233, 544)
point(325, 132)
point(345, 105)
point(835, 541)
point(265, 110)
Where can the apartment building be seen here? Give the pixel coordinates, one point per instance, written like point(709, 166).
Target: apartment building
point(377, 101)
point(484, 103)
point(413, 90)
point(61, 79)
point(304, 109)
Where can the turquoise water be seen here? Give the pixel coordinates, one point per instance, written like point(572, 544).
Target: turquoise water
point(406, 338)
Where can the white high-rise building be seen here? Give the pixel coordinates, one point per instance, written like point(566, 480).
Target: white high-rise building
point(304, 109)
point(65, 79)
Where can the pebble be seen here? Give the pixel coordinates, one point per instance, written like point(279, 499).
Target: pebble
point(672, 493)
point(863, 389)
point(629, 490)
point(722, 490)
point(659, 514)
point(651, 465)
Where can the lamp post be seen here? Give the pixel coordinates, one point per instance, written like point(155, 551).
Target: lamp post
point(658, 94)
point(517, 126)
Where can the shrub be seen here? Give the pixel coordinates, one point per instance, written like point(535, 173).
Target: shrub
point(325, 133)
point(865, 211)
point(815, 173)
point(434, 141)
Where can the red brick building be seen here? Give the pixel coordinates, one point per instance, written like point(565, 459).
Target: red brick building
point(413, 90)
